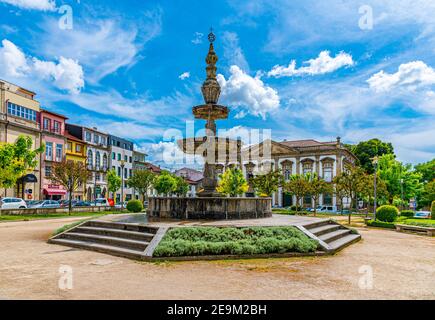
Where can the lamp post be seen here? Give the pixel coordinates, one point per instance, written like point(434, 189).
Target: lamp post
point(401, 190)
point(375, 164)
point(122, 184)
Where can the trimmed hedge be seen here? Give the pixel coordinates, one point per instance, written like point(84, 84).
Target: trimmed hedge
point(433, 210)
point(135, 206)
point(387, 213)
point(199, 241)
point(381, 224)
point(407, 213)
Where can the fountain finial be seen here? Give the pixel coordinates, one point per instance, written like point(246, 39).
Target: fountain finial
point(211, 89)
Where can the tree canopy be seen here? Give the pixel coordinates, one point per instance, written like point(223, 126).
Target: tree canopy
point(233, 183)
point(427, 170)
point(142, 181)
point(365, 151)
point(113, 181)
point(267, 184)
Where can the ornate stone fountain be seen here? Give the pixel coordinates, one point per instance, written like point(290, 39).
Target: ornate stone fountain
point(219, 153)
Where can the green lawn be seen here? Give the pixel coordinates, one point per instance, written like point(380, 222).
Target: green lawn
point(420, 222)
point(7, 218)
point(200, 241)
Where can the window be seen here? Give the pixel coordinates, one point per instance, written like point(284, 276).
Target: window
point(125, 173)
point(98, 160)
point(105, 162)
point(46, 124)
point(56, 127)
point(90, 158)
point(96, 138)
point(119, 157)
point(97, 177)
point(78, 148)
point(327, 172)
point(48, 171)
point(103, 141)
point(113, 156)
point(49, 151)
point(131, 173)
point(327, 200)
point(131, 159)
point(22, 112)
point(69, 146)
point(308, 168)
point(119, 171)
point(59, 152)
point(88, 136)
point(125, 158)
point(287, 170)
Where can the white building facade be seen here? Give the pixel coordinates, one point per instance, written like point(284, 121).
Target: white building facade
point(121, 160)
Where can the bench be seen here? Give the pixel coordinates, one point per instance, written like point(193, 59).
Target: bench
point(403, 227)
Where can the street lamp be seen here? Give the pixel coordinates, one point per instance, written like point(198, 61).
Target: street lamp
point(401, 190)
point(122, 183)
point(375, 164)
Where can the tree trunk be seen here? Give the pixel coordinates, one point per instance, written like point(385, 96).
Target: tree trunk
point(70, 202)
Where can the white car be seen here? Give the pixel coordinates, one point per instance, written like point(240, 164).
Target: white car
point(13, 203)
point(101, 202)
point(328, 209)
point(422, 215)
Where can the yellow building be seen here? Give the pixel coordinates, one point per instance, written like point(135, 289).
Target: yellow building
point(19, 116)
point(76, 151)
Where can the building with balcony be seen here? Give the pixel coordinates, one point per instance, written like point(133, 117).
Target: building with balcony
point(19, 116)
point(193, 178)
point(76, 151)
point(121, 160)
point(327, 159)
point(97, 159)
point(53, 136)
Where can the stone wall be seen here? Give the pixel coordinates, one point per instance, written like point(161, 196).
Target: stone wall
point(210, 208)
point(43, 211)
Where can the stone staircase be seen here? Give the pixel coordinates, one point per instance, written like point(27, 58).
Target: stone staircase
point(120, 239)
point(332, 236)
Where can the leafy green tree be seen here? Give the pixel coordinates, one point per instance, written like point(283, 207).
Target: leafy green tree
point(351, 183)
point(298, 185)
point(368, 190)
point(165, 183)
point(398, 177)
point(317, 187)
point(16, 159)
point(233, 183)
point(182, 187)
point(365, 151)
point(427, 196)
point(70, 175)
point(267, 184)
point(142, 181)
point(114, 182)
point(427, 170)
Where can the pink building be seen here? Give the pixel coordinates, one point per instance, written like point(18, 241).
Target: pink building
point(53, 136)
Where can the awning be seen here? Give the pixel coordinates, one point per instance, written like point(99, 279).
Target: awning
point(54, 192)
point(30, 178)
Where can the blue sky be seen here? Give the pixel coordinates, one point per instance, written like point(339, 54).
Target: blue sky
point(304, 69)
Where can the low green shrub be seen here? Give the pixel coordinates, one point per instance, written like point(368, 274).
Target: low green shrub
point(407, 213)
point(135, 206)
point(387, 213)
point(432, 209)
point(198, 241)
point(380, 224)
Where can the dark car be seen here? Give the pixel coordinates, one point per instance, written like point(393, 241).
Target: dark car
point(82, 204)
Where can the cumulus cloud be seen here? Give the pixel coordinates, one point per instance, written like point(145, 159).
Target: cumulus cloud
point(323, 64)
point(411, 75)
point(197, 38)
point(43, 5)
point(67, 74)
point(184, 75)
point(249, 93)
point(232, 51)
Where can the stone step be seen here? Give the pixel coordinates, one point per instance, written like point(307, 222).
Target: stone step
point(317, 224)
point(342, 243)
point(116, 251)
point(121, 226)
point(318, 231)
point(111, 241)
point(132, 235)
point(334, 235)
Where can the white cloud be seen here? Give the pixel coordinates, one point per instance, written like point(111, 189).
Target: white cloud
point(184, 75)
point(43, 5)
point(324, 63)
point(13, 61)
point(65, 75)
point(411, 75)
point(233, 54)
point(242, 90)
point(197, 38)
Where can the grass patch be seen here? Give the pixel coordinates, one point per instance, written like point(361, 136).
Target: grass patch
point(420, 223)
point(7, 218)
point(200, 241)
point(68, 227)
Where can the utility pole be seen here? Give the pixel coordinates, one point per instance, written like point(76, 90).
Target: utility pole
point(375, 164)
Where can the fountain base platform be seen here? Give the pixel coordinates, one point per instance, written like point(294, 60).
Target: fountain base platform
point(209, 208)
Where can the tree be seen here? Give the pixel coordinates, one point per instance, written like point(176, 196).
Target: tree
point(368, 189)
point(233, 183)
point(267, 184)
point(427, 170)
point(16, 159)
point(165, 183)
point(298, 186)
point(351, 183)
point(399, 178)
point(317, 187)
point(182, 187)
point(114, 182)
point(142, 181)
point(427, 196)
point(69, 174)
point(365, 151)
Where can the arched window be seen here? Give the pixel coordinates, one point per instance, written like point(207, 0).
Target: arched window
point(90, 158)
point(98, 160)
point(105, 162)
point(287, 170)
point(327, 171)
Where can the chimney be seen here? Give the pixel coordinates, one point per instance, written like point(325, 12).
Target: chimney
point(338, 141)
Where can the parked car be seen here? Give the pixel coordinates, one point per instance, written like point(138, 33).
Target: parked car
point(101, 202)
point(65, 203)
point(13, 203)
point(327, 209)
point(118, 205)
point(422, 215)
point(82, 204)
point(46, 204)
